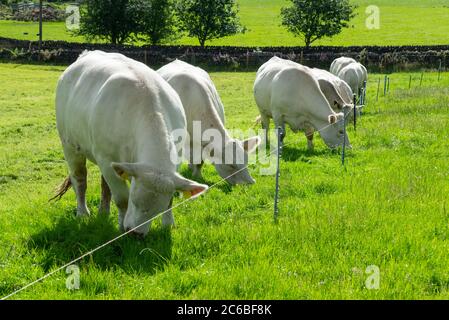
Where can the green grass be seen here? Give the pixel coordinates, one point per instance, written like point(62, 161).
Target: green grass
point(403, 22)
point(388, 208)
point(30, 31)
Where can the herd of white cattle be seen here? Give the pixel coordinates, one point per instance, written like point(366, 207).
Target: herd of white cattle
point(121, 115)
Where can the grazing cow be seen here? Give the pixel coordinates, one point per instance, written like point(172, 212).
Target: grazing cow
point(291, 94)
point(355, 75)
point(336, 91)
point(203, 105)
point(120, 114)
point(339, 64)
point(343, 100)
point(333, 88)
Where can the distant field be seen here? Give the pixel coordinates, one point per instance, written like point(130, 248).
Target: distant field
point(413, 22)
point(388, 208)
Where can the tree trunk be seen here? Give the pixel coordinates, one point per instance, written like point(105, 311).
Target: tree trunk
point(308, 42)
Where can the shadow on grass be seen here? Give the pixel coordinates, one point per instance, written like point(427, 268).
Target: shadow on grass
point(71, 237)
point(291, 154)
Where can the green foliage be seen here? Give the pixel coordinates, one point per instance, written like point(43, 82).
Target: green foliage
point(122, 21)
point(157, 21)
point(209, 19)
point(111, 20)
point(16, 53)
point(5, 12)
point(315, 19)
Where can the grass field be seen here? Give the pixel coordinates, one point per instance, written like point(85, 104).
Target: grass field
point(403, 22)
point(387, 208)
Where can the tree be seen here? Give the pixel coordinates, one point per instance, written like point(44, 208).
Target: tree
point(157, 21)
point(209, 19)
point(315, 19)
point(111, 20)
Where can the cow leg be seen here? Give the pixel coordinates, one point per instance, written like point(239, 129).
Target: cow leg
point(309, 132)
point(78, 177)
point(196, 170)
point(105, 202)
point(279, 123)
point(119, 190)
point(167, 218)
point(266, 125)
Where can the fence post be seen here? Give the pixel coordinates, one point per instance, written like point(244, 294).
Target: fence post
point(410, 83)
point(378, 89)
point(439, 71)
point(280, 133)
point(343, 151)
point(388, 86)
point(354, 99)
point(385, 86)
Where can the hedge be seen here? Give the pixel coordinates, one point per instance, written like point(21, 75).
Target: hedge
point(376, 58)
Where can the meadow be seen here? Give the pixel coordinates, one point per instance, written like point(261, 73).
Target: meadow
point(402, 22)
point(387, 207)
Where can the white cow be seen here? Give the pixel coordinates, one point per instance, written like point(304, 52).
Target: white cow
point(203, 105)
point(344, 91)
point(332, 87)
point(339, 64)
point(355, 75)
point(120, 114)
point(291, 94)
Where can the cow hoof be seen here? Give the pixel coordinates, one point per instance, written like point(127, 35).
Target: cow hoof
point(169, 226)
point(82, 213)
point(168, 222)
point(104, 211)
point(136, 235)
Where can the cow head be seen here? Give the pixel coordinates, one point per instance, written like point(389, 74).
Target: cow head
point(232, 163)
point(151, 192)
point(333, 133)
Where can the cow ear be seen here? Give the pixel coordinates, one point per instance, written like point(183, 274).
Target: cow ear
point(124, 170)
point(189, 188)
point(251, 144)
point(332, 119)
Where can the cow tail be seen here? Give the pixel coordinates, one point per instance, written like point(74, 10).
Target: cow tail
point(62, 189)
